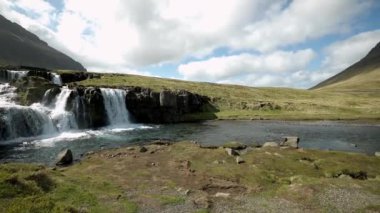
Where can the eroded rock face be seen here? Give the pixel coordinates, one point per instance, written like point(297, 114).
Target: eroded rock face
point(162, 107)
point(32, 89)
point(87, 104)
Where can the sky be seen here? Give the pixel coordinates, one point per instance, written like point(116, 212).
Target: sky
point(277, 43)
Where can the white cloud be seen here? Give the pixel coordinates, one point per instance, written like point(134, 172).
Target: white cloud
point(126, 35)
point(300, 21)
point(220, 69)
point(342, 54)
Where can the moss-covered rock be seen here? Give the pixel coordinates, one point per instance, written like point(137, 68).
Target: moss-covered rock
point(32, 89)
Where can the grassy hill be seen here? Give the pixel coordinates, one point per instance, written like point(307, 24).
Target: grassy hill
point(20, 47)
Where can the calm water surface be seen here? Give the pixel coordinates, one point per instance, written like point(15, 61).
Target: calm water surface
point(324, 135)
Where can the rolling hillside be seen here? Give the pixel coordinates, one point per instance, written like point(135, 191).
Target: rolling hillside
point(20, 47)
point(363, 75)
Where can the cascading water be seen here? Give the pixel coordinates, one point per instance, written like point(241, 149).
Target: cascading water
point(21, 121)
point(11, 75)
point(64, 120)
point(68, 110)
point(114, 102)
point(56, 79)
point(37, 119)
point(6, 94)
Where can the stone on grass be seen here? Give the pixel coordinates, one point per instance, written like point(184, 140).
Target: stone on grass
point(143, 149)
point(64, 158)
point(377, 154)
point(235, 145)
point(270, 144)
point(231, 152)
point(290, 141)
point(222, 194)
point(239, 160)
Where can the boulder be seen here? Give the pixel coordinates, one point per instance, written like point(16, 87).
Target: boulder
point(239, 160)
point(231, 152)
point(377, 154)
point(290, 141)
point(270, 144)
point(64, 158)
point(143, 149)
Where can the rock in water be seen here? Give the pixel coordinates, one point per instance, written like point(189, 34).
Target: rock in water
point(64, 158)
point(290, 141)
point(270, 144)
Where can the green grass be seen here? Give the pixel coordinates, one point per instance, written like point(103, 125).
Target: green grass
point(240, 102)
point(32, 188)
point(130, 183)
point(170, 200)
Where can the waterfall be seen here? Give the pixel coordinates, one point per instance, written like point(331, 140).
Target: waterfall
point(63, 119)
point(21, 121)
point(114, 103)
point(56, 79)
point(69, 110)
point(12, 75)
point(37, 119)
point(7, 93)
point(27, 121)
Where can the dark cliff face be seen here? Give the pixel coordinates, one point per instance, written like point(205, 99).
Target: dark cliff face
point(20, 47)
point(87, 104)
point(162, 107)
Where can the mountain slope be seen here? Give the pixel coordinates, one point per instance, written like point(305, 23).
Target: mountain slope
point(20, 47)
point(362, 75)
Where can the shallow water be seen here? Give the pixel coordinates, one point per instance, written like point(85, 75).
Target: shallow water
point(363, 138)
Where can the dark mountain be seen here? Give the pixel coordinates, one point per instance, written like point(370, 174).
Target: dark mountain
point(21, 47)
point(365, 69)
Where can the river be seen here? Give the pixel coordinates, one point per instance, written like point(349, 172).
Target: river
point(324, 135)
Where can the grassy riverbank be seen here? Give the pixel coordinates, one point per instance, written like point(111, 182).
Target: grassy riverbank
point(184, 177)
point(240, 102)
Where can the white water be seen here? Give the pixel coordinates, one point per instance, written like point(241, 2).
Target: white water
point(15, 75)
point(50, 124)
point(7, 93)
point(37, 119)
point(114, 103)
point(63, 119)
point(56, 78)
point(22, 120)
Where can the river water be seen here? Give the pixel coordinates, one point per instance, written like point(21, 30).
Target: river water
point(325, 135)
